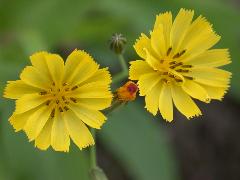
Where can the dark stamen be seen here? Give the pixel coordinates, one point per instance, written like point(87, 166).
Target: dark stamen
point(66, 108)
point(171, 76)
point(60, 109)
point(175, 65)
point(182, 70)
point(187, 66)
point(53, 83)
point(169, 50)
point(165, 73)
point(75, 87)
point(161, 61)
point(73, 100)
point(64, 84)
point(48, 102)
point(188, 77)
point(67, 102)
point(179, 54)
point(43, 93)
point(57, 101)
point(178, 80)
point(63, 98)
point(173, 62)
point(52, 113)
point(67, 89)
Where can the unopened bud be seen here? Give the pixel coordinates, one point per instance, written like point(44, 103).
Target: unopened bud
point(117, 43)
point(127, 92)
point(97, 174)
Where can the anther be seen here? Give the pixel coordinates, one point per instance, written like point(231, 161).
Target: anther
point(66, 108)
point(75, 87)
point(43, 93)
point(169, 50)
point(188, 77)
point(175, 65)
point(57, 101)
point(60, 109)
point(178, 80)
point(179, 54)
point(183, 70)
point(173, 62)
point(67, 89)
point(64, 84)
point(48, 102)
point(73, 100)
point(67, 102)
point(53, 83)
point(187, 66)
point(171, 76)
point(63, 98)
point(165, 73)
point(161, 61)
point(52, 113)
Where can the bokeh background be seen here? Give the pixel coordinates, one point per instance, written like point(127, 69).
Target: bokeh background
point(132, 145)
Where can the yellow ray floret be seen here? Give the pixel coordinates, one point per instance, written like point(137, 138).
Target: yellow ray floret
point(57, 101)
point(178, 64)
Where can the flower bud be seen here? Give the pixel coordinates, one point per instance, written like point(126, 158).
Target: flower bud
point(117, 43)
point(127, 92)
point(97, 174)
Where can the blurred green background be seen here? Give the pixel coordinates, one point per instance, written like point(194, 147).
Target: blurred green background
point(132, 145)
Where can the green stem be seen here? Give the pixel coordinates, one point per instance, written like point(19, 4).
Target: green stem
point(123, 63)
point(93, 156)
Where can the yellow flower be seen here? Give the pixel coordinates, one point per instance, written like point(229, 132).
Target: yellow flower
point(178, 64)
point(55, 101)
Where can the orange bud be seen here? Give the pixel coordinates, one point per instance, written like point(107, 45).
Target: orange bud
point(127, 92)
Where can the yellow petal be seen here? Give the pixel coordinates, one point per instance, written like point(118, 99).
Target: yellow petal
point(16, 89)
point(43, 141)
point(200, 37)
point(59, 137)
point(102, 75)
point(28, 102)
point(158, 41)
point(95, 103)
point(92, 90)
point(196, 91)
point(139, 68)
point(165, 20)
point(91, 117)
point(215, 92)
point(165, 103)
point(211, 76)
point(79, 67)
point(38, 60)
point(210, 58)
point(142, 43)
point(78, 132)
point(152, 97)
point(36, 122)
point(56, 67)
point(180, 27)
point(31, 76)
point(147, 82)
point(18, 121)
point(184, 103)
point(152, 61)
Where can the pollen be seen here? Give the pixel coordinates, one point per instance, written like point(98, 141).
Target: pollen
point(59, 96)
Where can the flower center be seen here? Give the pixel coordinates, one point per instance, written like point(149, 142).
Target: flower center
point(172, 69)
point(59, 97)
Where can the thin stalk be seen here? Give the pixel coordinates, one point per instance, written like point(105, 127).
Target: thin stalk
point(123, 63)
point(93, 156)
